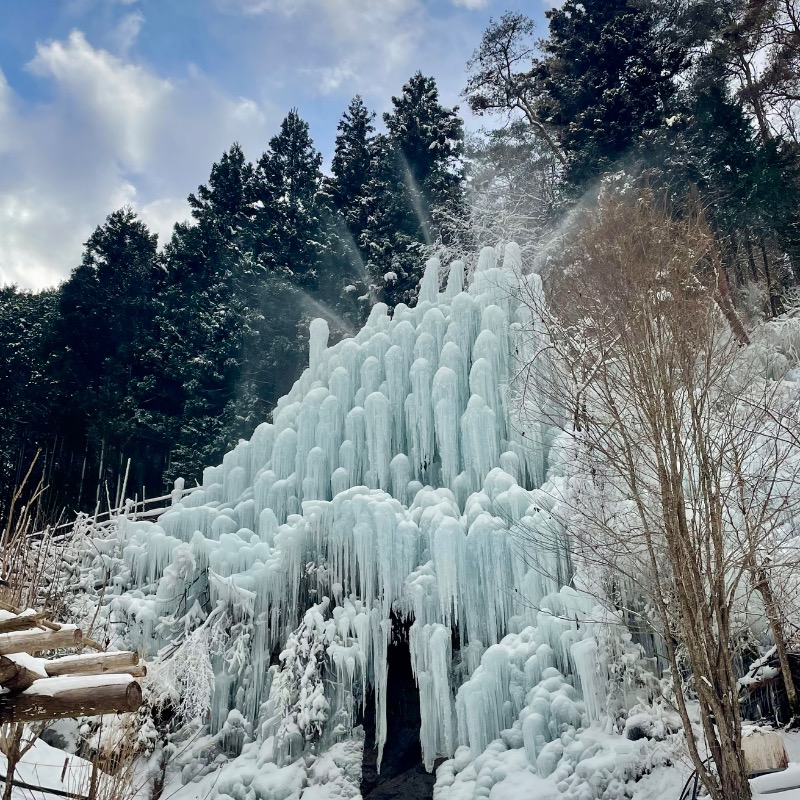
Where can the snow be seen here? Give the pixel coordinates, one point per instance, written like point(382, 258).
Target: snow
point(27, 661)
point(43, 766)
point(772, 782)
point(51, 687)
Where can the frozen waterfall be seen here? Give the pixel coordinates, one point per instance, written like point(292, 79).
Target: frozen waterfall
point(393, 483)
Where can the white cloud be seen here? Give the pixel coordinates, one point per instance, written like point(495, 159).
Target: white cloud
point(127, 31)
point(123, 100)
point(359, 43)
point(255, 7)
point(114, 133)
point(472, 5)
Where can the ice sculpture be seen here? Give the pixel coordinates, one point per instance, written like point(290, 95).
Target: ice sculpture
point(393, 483)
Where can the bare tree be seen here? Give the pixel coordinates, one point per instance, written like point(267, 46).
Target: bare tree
point(503, 77)
point(684, 467)
point(514, 196)
point(761, 48)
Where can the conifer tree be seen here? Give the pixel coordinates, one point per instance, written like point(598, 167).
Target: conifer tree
point(203, 316)
point(417, 171)
point(608, 76)
point(288, 222)
point(351, 164)
point(227, 200)
point(106, 328)
point(343, 286)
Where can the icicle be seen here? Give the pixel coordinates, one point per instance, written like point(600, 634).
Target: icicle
point(427, 349)
point(284, 455)
point(429, 286)
point(479, 441)
point(464, 324)
point(355, 431)
point(400, 469)
point(378, 433)
point(371, 375)
point(445, 399)
point(398, 386)
point(419, 418)
point(317, 344)
point(487, 259)
point(455, 279)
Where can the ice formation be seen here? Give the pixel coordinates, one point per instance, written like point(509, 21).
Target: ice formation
point(394, 485)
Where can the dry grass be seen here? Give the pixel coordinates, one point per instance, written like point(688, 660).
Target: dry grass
point(116, 761)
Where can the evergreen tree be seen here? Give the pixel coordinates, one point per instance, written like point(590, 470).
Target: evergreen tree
point(203, 317)
point(417, 175)
point(288, 226)
point(106, 329)
point(227, 200)
point(608, 75)
point(344, 284)
point(351, 164)
point(27, 395)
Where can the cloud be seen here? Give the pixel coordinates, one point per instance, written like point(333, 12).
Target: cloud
point(122, 101)
point(472, 5)
point(363, 43)
point(112, 133)
point(127, 32)
point(256, 7)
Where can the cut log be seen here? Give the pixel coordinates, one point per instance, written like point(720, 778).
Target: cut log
point(764, 751)
point(21, 623)
point(59, 698)
point(19, 671)
point(8, 669)
point(37, 641)
point(16, 676)
point(91, 664)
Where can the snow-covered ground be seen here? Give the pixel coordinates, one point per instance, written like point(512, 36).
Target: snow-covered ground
point(50, 768)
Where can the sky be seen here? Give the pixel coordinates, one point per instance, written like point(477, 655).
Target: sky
point(106, 103)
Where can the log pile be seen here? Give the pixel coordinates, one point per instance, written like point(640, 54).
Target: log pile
point(84, 684)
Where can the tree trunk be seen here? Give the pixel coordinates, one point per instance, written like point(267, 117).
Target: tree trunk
point(722, 295)
point(733, 781)
point(14, 741)
point(773, 298)
point(773, 615)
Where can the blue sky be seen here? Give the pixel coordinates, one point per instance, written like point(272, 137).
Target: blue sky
point(111, 102)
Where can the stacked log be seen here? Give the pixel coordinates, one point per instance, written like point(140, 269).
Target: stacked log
point(83, 684)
